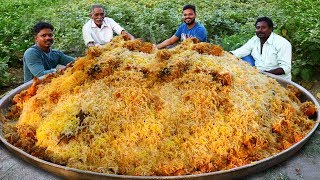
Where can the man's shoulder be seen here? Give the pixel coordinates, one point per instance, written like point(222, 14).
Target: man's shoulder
point(280, 40)
point(32, 50)
point(56, 52)
point(108, 20)
point(199, 25)
point(87, 24)
point(182, 25)
point(254, 39)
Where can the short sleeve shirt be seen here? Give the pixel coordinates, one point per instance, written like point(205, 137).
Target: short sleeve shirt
point(197, 31)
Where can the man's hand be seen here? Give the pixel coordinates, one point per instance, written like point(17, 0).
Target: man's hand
point(277, 71)
point(126, 36)
point(61, 68)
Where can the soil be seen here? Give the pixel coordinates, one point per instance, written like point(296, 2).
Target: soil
point(16, 75)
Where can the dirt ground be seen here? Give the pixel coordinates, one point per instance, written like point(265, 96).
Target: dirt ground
point(17, 79)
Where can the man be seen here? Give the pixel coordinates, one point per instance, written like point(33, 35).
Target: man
point(99, 29)
point(40, 59)
point(190, 28)
point(271, 52)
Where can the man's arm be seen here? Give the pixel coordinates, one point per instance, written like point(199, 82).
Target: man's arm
point(126, 35)
point(201, 34)
point(168, 42)
point(244, 50)
point(284, 57)
point(277, 71)
point(86, 35)
point(65, 59)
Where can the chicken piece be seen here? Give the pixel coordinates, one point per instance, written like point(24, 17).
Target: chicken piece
point(308, 108)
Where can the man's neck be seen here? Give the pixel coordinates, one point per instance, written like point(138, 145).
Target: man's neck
point(44, 49)
point(191, 25)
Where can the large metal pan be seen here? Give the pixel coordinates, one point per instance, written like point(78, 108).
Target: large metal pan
point(71, 173)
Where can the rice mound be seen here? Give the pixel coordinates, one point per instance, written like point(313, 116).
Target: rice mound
point(129, 108)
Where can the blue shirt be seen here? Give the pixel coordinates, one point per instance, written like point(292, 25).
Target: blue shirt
point(197, 31)
point(37, 63)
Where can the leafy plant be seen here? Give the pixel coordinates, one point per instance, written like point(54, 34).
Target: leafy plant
point(229, 24)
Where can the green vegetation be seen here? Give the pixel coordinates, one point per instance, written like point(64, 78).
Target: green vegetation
point(229, 24)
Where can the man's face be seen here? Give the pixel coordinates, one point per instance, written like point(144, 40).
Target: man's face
point(263, 31)
point(189, 16)
point(97, 15)
point(44, 38)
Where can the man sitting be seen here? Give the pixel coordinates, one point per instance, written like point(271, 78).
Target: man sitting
point(271, 52)
point(190, 28)
point(99, 29)
point(40, 59)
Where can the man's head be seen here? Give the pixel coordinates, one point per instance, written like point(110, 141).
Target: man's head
point(97, 14)
point(43, 33)
point(264, 27)
point(189, 14)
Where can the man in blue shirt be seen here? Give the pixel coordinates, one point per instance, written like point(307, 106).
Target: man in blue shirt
point(190, 28)
point(40, 59)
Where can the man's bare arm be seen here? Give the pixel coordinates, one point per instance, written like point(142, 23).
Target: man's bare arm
point(167, 42)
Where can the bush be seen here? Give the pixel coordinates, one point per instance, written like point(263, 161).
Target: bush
point(229, 24)
point(303, 30)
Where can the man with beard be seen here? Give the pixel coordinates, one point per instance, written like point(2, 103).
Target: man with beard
point(99, 29)
point(190, 28)
point(271, 52)
point(40, 59)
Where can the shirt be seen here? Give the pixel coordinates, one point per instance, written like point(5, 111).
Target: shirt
point(276, 52)
point(92, 33)
point(37, 63)
point(197, 31)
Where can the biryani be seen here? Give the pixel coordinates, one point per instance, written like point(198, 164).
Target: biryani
point(128, 108)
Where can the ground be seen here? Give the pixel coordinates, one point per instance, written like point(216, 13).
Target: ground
point(17, 79)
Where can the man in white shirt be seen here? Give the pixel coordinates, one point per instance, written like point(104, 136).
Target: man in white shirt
point(99, 29)
point(271, 52)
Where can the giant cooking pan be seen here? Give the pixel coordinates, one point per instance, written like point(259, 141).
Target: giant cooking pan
point(71, 173)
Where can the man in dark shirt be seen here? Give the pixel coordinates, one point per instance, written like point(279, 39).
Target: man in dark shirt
point(40, 59)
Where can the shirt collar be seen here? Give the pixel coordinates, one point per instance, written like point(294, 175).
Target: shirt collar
point(37, 47)
point(271, 38)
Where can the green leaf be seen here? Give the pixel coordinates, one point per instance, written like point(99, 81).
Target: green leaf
point(306, 73)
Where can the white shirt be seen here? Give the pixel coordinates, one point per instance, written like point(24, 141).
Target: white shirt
point(92, 33)
point(276, 52)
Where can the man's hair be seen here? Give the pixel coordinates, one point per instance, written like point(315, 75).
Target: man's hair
point(41, 25)
point(189, 6)
point(92, 7)
point(267, 20)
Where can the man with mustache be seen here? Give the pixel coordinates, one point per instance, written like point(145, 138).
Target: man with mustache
point(190, 28)
point(40, 59)
point(271, 52)
point(99, 29)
